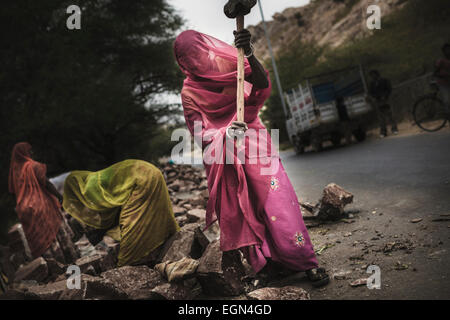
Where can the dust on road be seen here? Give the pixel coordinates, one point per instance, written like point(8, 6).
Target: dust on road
point(399, 220)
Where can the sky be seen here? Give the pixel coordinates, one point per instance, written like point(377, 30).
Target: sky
point(207, 15)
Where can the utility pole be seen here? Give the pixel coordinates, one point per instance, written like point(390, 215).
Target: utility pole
point(274, 64)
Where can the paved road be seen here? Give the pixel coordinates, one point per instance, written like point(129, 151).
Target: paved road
point(393, 180)
point(410, 173)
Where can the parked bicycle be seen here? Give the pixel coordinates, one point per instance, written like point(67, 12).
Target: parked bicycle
point(430, 112)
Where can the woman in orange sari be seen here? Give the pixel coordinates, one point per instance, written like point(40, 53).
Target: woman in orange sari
point(37, 201)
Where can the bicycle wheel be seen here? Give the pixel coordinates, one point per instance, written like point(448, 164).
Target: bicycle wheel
point(430, 113)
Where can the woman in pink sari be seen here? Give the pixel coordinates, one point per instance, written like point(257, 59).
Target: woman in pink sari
point(251, 196)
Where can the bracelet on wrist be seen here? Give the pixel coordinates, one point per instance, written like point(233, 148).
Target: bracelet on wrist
point(251, 53)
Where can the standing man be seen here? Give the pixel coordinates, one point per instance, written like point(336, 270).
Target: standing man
point(380, 90)
point(344, 119)
point(442, 74)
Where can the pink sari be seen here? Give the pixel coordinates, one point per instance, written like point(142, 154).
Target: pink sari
point(258, 213)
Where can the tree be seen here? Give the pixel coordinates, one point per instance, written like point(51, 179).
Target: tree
point(82, 98)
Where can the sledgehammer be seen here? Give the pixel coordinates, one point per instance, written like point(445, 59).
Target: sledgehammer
point(237, 9)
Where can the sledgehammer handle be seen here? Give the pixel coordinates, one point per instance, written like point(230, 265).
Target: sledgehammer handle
point(240, 74)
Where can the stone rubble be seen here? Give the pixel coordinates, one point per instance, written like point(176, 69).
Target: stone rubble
point(188, 265)
point(220, 273)
point(333, 201)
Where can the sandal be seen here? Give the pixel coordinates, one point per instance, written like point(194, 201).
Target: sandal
point(318, 277)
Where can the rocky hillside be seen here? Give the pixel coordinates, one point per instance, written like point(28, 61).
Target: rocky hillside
point(322, 22)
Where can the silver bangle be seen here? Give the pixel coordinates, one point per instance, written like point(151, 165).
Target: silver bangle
point(251, 54)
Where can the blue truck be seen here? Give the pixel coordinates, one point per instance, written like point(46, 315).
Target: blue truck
point(328, 107)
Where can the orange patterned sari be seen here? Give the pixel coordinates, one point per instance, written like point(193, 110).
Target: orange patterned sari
point(38, 210)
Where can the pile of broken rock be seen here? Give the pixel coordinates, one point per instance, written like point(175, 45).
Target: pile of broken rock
point(190, 265)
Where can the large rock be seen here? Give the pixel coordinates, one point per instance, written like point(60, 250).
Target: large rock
point(99, 261)
point(284, 293)
point(93, 261)
point(16, 294)
point(205, 237)
point(196, 215)
point(19, 291)
point(199, 201)
point(178, 211)
point(51, 291)
point(333, 201)
point(93, 288)
point(182, 220)
point(24, 284)
point(135, 282)
point(100, 288)
point(17, 241)
point(180, 245)
point(35, 270)
point(17, 259)
point(221, 273)
point(184, 195)
point(55, 268)
point(175, 185)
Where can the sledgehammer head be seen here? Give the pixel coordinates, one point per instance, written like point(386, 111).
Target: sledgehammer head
point(235, 8)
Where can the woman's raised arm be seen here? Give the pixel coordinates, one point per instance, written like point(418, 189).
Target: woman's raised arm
point(258, 77)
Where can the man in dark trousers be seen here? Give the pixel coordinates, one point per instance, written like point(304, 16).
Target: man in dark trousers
point(380, 90)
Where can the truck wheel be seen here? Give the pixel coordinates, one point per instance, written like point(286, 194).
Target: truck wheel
point(317, 144)
point(360, 134)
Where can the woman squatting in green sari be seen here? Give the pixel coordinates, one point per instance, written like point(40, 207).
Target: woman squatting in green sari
point(131, 198)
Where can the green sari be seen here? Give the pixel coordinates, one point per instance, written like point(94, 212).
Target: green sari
point(132, 193)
